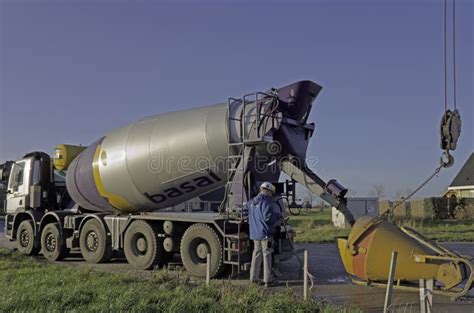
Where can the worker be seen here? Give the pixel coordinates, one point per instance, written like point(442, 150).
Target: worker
point(262, 219)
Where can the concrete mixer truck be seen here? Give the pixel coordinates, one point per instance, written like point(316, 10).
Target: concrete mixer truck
point(115, 194)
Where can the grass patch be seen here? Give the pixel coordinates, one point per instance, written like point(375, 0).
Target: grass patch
point(311, 231)
point(29, 285)
point(443, 230)
point(317, 227)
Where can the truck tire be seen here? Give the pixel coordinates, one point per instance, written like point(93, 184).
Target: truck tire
point(95, 244)
point(53, 244)
point(25, 238)
point(199, 240)
point(143, 249)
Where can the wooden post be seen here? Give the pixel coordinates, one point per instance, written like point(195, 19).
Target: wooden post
point(305, 277)
point(391, 277)
point(426, 295)
point(208, 269)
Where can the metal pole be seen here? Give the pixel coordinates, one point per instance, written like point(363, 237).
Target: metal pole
point(305, 277)
point(430, 286)
point(426, 295)
point(391, 277)
point(208, 269)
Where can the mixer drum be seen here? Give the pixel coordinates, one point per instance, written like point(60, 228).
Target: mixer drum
point(166, 159)
point(154, 163)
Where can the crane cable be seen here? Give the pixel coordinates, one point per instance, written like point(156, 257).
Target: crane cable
point(446, 54)
point(451, 120)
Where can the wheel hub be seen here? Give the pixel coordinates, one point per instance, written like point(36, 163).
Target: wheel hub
point(92, 241)
point(202, 250)
point(142, 245)
point(24, 238)
point(50, 242)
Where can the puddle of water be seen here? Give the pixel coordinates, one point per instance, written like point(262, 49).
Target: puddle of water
point(342, 279)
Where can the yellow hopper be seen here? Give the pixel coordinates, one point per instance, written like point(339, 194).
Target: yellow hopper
point(367, 251)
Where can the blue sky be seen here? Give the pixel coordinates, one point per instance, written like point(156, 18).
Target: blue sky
point(72, 70)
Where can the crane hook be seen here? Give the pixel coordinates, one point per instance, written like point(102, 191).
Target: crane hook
point(450, 130)
point(446, 160)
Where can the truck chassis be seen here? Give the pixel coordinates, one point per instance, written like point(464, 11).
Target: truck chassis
point(147, 239)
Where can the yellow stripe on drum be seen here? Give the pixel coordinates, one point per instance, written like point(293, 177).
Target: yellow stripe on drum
point(114, 200)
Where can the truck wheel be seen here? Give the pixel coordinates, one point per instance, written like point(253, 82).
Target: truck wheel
point(52, 243)
point(143, 249)
point(96, 246)
point(25, 238)
point(199, 240)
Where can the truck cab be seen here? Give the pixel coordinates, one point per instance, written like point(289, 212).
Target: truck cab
point(32, 189)
point(24, 174)
point(32, 184)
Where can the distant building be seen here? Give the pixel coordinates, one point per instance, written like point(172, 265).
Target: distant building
point(358, 207)
point(463, 184)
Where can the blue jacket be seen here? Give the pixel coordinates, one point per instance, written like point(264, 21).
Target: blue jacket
point(261, 217)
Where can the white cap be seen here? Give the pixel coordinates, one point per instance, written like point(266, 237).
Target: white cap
point(268, 186)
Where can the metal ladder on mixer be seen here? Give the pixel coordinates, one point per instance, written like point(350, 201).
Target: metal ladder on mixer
point(237, 154)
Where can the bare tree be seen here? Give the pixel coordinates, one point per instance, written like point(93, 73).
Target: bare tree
point(402, 193)
point(352, 193)
point(399, 194)
point(377, 190)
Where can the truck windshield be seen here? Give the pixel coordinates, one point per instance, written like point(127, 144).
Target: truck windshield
point(16, 177)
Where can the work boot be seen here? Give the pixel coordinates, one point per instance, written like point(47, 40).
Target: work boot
point(272, 283)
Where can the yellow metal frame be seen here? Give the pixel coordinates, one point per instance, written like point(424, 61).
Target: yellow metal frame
point(444, 255)
point(453, 293)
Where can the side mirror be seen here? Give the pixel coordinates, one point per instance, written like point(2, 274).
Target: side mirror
point(9, 191)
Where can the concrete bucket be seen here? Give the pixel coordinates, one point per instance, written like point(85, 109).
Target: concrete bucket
point(366, 255)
